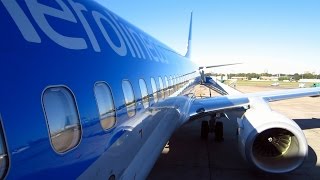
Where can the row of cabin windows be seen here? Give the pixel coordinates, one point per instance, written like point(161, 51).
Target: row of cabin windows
point(63, 119)
point(62, 114)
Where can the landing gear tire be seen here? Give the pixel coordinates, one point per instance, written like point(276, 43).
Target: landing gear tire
point(218, 131)
point(204, 130)
point(212, 124)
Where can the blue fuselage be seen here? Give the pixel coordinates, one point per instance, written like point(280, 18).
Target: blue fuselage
point(66, 43)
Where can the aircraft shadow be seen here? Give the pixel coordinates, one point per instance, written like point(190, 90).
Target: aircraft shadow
point(308, 123)
point(189, 157)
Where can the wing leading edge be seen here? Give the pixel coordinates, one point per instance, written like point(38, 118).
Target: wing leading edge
point(235, 99)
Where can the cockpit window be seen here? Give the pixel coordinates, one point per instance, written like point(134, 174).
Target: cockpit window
point(62, 117)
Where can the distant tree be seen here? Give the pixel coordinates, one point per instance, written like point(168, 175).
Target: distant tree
point(266, 74)
point(254, 75)
point(291, 77)
point(309, 76)
point(284, 78)
point(296, 76)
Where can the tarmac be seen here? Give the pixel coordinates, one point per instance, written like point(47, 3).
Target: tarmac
point(189, 157)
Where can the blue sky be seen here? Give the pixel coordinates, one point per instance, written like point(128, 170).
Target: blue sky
point(278, 36)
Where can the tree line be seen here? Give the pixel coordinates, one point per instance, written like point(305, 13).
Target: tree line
point(290, 77)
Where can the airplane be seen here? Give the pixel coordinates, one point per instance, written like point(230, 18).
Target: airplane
point(85, 94)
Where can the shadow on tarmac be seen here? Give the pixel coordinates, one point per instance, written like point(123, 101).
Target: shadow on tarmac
point(189, 157)
point(308, 123)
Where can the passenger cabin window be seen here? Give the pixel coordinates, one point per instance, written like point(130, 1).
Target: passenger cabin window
point(154, 90)
point(170, 85)
point(129, 98)
point(174, 85)
point(107, 112)
point(178, 83)
point(4, 158)
point(161, 88)
point(144, 93)
point(62, 117)
point(166, 88)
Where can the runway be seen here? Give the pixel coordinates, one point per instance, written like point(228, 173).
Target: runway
point(189, 157)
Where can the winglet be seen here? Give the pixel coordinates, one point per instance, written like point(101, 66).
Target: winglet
point(189, 39)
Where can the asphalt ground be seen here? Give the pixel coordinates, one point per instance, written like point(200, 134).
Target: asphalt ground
point(189, 157)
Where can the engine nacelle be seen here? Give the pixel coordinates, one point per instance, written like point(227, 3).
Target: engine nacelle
point(270, 141)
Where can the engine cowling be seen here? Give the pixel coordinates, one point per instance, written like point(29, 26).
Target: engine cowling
point(270, 141)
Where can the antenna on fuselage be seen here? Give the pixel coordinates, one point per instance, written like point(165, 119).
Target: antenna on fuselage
point(189, 39)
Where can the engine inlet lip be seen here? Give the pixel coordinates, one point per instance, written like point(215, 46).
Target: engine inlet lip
point(296, 132)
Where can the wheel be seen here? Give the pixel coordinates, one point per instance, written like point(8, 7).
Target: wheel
point(219, 131)
point(204, 130)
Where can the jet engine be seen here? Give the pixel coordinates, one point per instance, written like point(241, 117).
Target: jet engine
point(270, 141)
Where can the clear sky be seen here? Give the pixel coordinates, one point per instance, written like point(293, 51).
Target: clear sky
point(278, 36)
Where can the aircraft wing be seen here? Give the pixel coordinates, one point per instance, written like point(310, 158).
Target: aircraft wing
point(218, 103)
point(236, 99)
point(278, 95)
